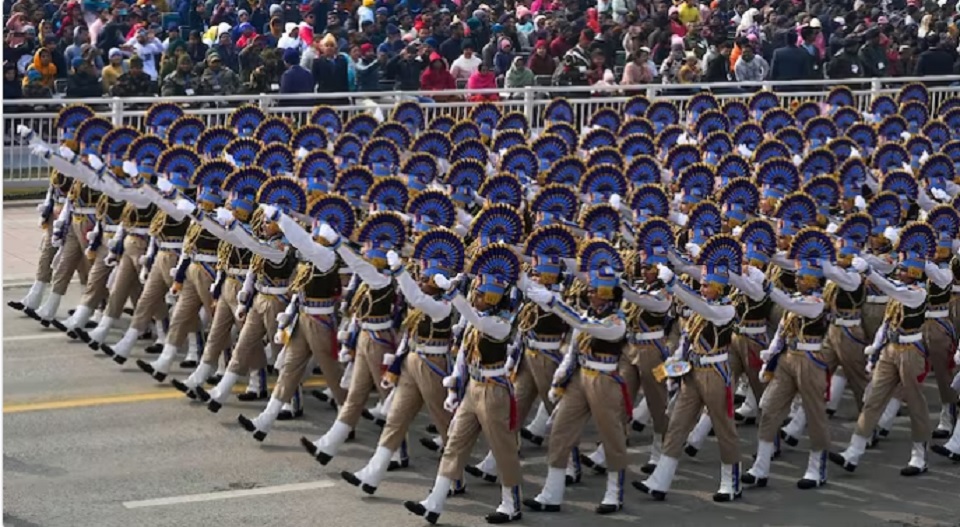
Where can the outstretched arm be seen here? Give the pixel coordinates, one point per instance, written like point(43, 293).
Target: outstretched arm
point(909, 295)
point(435, 309)
point(493, 326)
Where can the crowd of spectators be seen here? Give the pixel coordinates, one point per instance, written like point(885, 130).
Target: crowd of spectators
point(94, 48)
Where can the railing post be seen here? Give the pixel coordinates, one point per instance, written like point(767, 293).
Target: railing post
point(528, 103)
point(875, 87)
point(651, 92)
point(116, 110)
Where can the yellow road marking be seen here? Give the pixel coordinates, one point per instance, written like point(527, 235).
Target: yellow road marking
point(158, 395)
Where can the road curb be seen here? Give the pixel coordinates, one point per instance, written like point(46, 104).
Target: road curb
point(21, 203)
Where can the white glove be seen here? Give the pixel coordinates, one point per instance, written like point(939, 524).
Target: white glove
point(142, 260)
point(832, 228)
point(539, 295)
point(869, 351)
point(664, 273)
point(766, 354)
point(744, 151)
point(892, 234)
point(23, 131)
point(185, 206)
point(451, 403)
point(940, 194)
point(388, 359)
point(905, 135)
point(393, 259)
point(242, 297)
point(554, 394)
point(328, 233)
point(869, 368)
point(755, 275)
point(616, 200)
point(39, 150)
point(110, 260)
point(66, 152)
point(442, 282)
point(57, 225)
point(130, 168)
point(270, 212)
point(94, 162)
point(170, 298)
point(450, 381)
point(165, 185)
point(143, 275)
point(738, 230)
point(302, 152)
point(41, 207)
point(344, 355)
point(90, 236)
point(283, 319)
point(692, 249)
point(924, 157)
point(859, 264)
point(224, 216)
point(956, 382)
point(343, 335)
point(860, 203)
point(797, 160)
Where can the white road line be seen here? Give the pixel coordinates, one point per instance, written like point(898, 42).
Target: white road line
point(229, 494)
point(34, 337)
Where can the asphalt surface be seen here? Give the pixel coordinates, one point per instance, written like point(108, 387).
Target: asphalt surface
point(87, 443)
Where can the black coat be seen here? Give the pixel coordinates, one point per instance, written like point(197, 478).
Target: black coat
point(331, 75)
point(935, 61)
point(791, 63)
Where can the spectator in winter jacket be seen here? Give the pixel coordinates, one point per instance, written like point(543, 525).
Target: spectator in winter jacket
point(847, 64)
point(504, 57)
point(718, 67)
point(196, 48)
point(181, 82)
point(936, 60)
point(367, 69)
point(217, 80)
point(482, 79)
point(640, 69)
point(135, 82)
point(406, 68)
point(330, 71)
point(436, 77)
point(873, 56)
point(751, 67)
point(467, 63)
point(83, 83)
point(295, 79)
point(790, 62)
point(519, 76)
point(541, 63)
point(112, 71)
point(227, 51)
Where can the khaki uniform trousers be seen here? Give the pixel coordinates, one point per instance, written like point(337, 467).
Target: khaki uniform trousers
point(844, 346)
point(744, 352)
point(47, 252)
point(367, 368)
point(312, 336)
point(636, 367)
point(703, 387)
point(96, 290)
point(899, 366)
point(126, 283)
point(417, 386)
point(72, 257)
point(194, 294)
point(534, 376)
point(590, 393)
point(940, 349)
point(485, 408)
point(797, 373)
point(260, 323)
point(224, 318)
point(872, 318)
point(152, 302)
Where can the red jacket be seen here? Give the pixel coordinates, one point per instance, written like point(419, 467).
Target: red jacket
point(437, 80)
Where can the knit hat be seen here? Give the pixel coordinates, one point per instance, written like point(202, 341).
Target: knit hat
point(291, 56)
point(276, 9)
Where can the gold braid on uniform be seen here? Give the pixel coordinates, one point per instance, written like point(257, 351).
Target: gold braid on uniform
point(631, 262)
point(301, 277)
point(360, 307)
point(695, 326)
point(528, 317)
point(583, 342)
point(412, 321)
point(102, 203)
point(74, 193)
point(256, 221)
point(632, 314)
point(471, 341)
point(224, 250)
point(190, 240)
point(830, 293)
point(156, 226)
point(894, 314)
point(256, 264)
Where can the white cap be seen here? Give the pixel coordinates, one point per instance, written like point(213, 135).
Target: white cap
point(815, 22)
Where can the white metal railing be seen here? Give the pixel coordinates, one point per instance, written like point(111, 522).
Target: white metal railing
point(23, 169)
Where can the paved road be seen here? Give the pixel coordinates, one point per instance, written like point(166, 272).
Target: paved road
point(88, 443)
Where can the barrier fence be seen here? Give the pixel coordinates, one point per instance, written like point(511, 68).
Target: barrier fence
point(22, 169)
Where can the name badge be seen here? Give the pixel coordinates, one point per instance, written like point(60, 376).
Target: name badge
point(189, 91)
point(275, 87)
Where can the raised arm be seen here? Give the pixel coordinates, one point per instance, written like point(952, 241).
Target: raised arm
point(908, 295)
point(846, 279)
point(608, 329)
point(942, 276)
point(883, 265)
point(367, 272)
point(322, 257)
point(493, 326)
point(655, 302)
point(715, 313)
point(806, 306)
point(435, 309)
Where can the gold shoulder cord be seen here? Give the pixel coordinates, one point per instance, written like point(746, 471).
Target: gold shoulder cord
point(632, 314)
point(128, 218)
point(412, 322)
point(103, 202)
point(74, 193)
point(830, 294)
point(528, 317)
point(156, 225)
point(583, 343)
point(894, 314)
point(224, 250)
point(190, 240)
point(302, 277)
point(471, 343)
point(256, 264)
point(359, 305)
point(695, 327)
